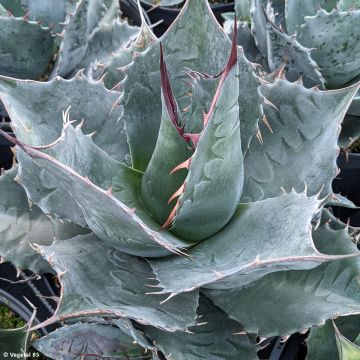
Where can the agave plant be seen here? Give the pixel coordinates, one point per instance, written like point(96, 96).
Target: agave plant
point(315, 39)
point(186, 208)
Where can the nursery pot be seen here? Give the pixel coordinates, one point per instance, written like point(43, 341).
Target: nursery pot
point(6, 155)
point(166, 15)
point(347, 183)
point(40, 293)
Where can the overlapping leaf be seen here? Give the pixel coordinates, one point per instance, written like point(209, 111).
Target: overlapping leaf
point(22, 226)
point(304, 125)
point(249, 251)
point(330, 290)
point(115, 286)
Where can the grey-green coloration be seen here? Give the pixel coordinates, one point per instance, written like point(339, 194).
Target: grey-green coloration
point(207, 286)
point(321, 342)
point(195, 32)
point(325, 292)
point(116, 286)
point(347, 349)
point(215, 337)
point(36, 110)
point(29, 56)
point(296, 10)
point(100, 191)
point(23, 225)
point(73, 341)
point(262, 250)
point(336, 39)
point(301, 130)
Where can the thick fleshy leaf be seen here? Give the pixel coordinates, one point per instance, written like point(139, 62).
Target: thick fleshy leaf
point(296, 10)
point(16, 341)
point(22, 226)
point(243, 252)
point(283, 49)
point(216, 337)
point(258, 25)
point(211, 191)
point(94, 188)
point(195, 41)
point(116, 285)
point(36, 111)
point(88, 341)
point(321, 342)
point(347, 350)
point(158, 183)
point(335, 37)
point(328, 291)
point(355, 106)
point(304, 125)
point(14, 6)
point(29, 56)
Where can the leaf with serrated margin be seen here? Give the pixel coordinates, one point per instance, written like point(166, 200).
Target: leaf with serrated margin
point(158, 182)
point(116, 62)
point(258, 25)
point(283, 49)
point(296, 10)
point(35, 109)
point(29, 56)
point(211, 191)
point(335, 38)
point(96, 189)
point(321, 342)
point(74, 341)
point(243, 252)
point(216, 337)
point(14, 6)
point(117, 285)
point(328, 291)
point(195, 40)
point(93, 27)
point(22, 226)
point(304, 129)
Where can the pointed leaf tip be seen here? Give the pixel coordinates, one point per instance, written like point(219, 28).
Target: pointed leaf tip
point(168, 94)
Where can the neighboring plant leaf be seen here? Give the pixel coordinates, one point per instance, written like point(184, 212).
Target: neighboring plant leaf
point(258, 25)
point(74, 341)
point(328, 291)
point(14, 6)
point(115, 286)
point(22, 226)
point(355, 106)
point(305, 125)
point(163, 2)
point(216, 337)
point(96, 188)
point(347, 349)
point(29, 56)
point(296, 10)
point(335, 37)
point(36, 111)
point(93, 22)
point(321, 342)
point(249, 252)
point(16, 341)
point(283, 49)
point(349, 5)
point(242, 9)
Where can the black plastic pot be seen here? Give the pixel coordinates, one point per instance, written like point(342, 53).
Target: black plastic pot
point(6, 155)
point(347, 183)
point(166, 15)
point(40, 292)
